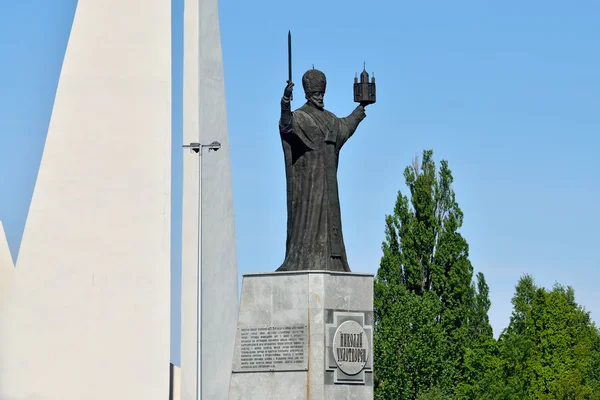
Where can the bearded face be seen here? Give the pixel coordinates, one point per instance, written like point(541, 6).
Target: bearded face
point(316, 99)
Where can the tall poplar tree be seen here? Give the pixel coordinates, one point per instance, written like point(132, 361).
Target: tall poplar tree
point(428, 312)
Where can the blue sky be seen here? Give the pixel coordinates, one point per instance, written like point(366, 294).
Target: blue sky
point(508, 92)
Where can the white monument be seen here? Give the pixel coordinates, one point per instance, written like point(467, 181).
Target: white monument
point(87, 314)
point(206, 347)
point(6, 268)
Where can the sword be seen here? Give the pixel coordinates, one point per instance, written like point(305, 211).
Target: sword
point(290, 60)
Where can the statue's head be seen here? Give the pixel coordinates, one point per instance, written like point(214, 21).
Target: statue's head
point(314, 84)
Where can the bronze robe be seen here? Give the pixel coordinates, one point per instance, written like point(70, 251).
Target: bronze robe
point(312, 140)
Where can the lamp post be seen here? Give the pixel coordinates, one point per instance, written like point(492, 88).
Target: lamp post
point(198, 148)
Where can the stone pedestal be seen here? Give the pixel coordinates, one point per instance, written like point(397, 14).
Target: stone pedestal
point(304, 335)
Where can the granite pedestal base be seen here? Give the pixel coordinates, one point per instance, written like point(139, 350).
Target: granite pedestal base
point(304, 335)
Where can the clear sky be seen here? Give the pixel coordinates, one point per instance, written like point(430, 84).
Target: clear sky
point(507, 91)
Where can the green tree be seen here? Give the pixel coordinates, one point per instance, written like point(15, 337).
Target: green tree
point(428, 312)
point(550, 350)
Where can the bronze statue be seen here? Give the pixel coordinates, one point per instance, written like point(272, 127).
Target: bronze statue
point(312, 138)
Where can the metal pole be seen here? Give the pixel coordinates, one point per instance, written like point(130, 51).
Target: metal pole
point(199, 319)
point(198, 147)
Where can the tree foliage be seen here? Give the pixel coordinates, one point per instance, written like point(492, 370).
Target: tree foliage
point(433, 339)
point(549, 350)
point(428, 311)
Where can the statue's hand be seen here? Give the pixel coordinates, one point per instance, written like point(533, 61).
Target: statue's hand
point(360, 112)
point(287, 93)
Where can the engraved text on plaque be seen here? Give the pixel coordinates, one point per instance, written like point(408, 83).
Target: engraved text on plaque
point(271, 348)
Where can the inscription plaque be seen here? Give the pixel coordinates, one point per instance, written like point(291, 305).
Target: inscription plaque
point(271, 348)
point(350, 347)
point(349, 344)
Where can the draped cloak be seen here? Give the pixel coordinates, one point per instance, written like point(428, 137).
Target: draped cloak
point(312, 140)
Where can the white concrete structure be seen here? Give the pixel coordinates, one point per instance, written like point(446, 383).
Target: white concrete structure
point(88, 316)
point(205, 121)
point(313, 299)
point(6, 267)
point(175, 383)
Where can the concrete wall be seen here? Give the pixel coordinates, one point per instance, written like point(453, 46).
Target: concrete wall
point(205, 121)
point(88, 316)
